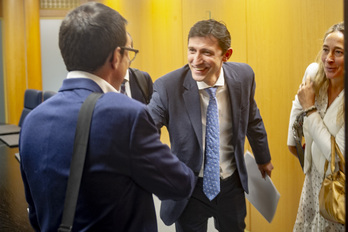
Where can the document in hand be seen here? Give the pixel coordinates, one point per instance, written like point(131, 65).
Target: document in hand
point(263, 195)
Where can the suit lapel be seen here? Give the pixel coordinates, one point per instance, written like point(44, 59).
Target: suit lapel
point(192, 100)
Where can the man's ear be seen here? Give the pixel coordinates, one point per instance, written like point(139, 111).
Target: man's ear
point(116, 58)
point(227, 55)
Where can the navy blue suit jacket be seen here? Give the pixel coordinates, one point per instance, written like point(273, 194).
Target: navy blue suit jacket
point(175, 104)
point(125, 163)
point(136, 91)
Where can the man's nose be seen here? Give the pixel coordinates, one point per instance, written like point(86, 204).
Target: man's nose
point(197, 58)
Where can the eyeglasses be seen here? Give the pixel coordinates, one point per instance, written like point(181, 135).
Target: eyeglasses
point(132, 53)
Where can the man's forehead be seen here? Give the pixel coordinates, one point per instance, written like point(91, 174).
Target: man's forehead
point(203, 42)
point(208, 38)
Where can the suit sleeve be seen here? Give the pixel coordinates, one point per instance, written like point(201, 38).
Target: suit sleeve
point(256, 132)
point(153, 163)
point(29, 199)
point(158, 104)
point(149, 83)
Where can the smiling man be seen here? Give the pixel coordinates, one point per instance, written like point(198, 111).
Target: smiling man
point(208, 108)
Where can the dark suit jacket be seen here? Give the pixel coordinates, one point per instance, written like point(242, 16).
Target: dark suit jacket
point(136, 91)
point(175, 104)
point(125, 163)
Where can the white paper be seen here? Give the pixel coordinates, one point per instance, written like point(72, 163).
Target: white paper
point(263, 195)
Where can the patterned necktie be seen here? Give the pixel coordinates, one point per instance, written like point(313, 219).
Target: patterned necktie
point(211, 175)
point(123, 87)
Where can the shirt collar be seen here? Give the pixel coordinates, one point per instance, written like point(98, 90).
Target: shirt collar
point(126, 77)
point(103, 84)
point(220, 81)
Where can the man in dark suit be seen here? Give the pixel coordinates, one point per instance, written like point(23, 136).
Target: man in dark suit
point(181, 103)
point(125, 162)
point(137, 84)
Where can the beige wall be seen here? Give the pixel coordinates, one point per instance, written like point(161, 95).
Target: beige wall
point(277, 38)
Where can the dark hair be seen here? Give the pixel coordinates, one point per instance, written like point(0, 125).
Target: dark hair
point(130, 39)
point(213, 28)
point(89, 34)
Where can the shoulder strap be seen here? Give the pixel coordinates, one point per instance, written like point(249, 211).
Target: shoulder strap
point(334, 149)
point(297, 130)
point(300, 152)
point(140, 79)
point(78, 161)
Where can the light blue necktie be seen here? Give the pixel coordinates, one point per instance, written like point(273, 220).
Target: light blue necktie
point(211, 175)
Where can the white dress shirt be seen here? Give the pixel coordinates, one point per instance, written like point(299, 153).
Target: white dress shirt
point(103, 84)
point(127, 85)
point(227, 161)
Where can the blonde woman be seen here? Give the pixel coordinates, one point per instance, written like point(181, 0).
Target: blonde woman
point(323, 101)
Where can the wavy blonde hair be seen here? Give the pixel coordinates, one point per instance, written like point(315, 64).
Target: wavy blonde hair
point(320, 80)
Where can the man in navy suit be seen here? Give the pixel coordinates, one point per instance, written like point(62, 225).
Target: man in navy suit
point(125, 162)
point(180, 103)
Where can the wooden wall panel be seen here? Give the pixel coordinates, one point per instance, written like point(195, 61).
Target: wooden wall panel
point(1, 7)
point(14, 59)
point(156, 29)
point(232, 13)
point(33, 46)
point(22, 55)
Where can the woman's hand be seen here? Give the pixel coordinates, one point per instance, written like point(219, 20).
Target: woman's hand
point(306, 93)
